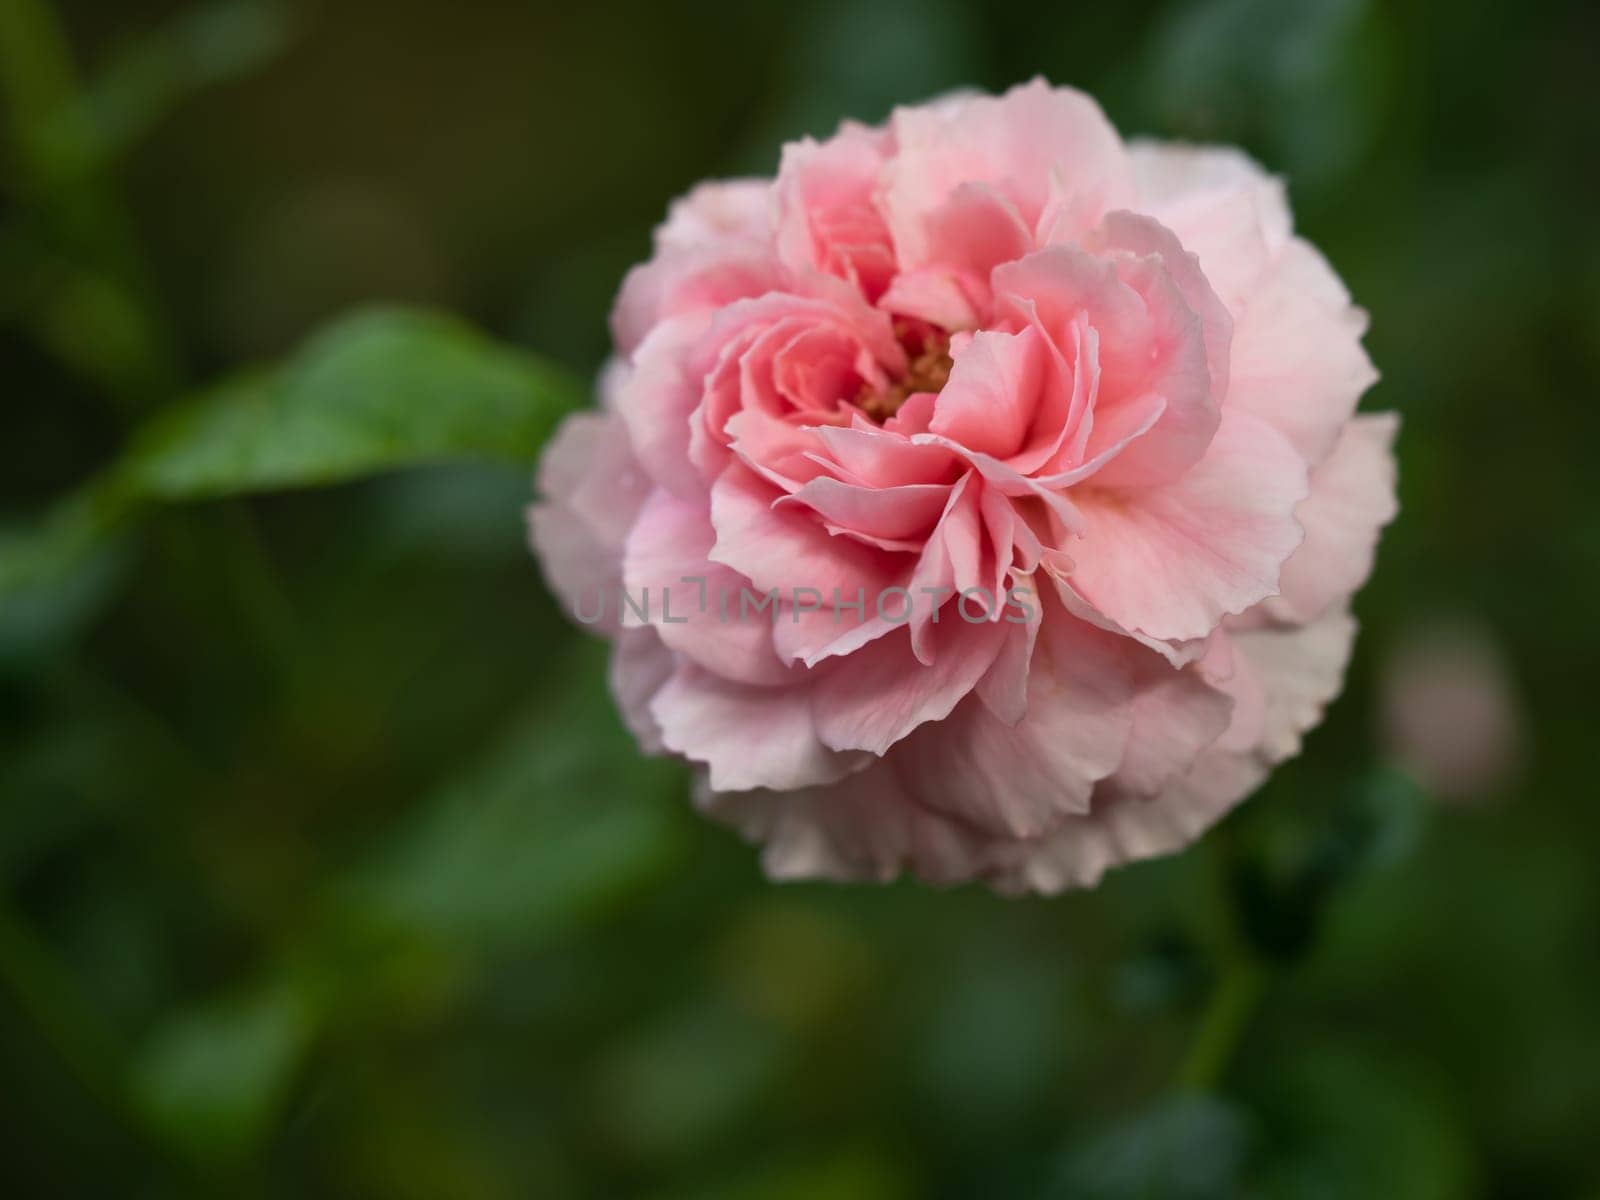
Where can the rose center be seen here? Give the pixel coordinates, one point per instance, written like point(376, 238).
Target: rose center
point(928, 370)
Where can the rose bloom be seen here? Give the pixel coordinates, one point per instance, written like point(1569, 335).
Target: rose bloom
point(1039, 449)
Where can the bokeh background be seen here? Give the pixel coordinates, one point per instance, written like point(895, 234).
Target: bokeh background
point(325, 869)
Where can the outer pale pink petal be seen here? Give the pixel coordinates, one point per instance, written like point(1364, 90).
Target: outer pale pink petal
point(583, 574)
point(1226, 669)
point(867, 826)
point(749, 737)
point(810, 834)
point(1222, 205)
point(667, 573)
point(1352, 498)
point(719, 211)
point(879, 694)
point(1169, 174)
point(588, 467)
point(871, 825)
point(1178, 653)
point(1297, 355)
point(1300, 671)
point(864, 826)
point(1171, 562)
point(592, 490)
point(613, 374)
point(1018, 781)
point(1177, 714)
point(713, 248)
point(1082, 849)
point(994, 388)
point(656, 401)
point(640, 665)
point(1015, 143)
point(687, 280)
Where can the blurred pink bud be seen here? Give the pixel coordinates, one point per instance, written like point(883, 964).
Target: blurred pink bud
point(1450, 712)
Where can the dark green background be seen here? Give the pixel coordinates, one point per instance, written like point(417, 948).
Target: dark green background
point(326, 871)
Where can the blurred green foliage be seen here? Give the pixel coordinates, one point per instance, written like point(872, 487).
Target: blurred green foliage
point(325, 867)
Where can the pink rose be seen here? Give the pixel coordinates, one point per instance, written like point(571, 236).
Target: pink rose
point(981, 496)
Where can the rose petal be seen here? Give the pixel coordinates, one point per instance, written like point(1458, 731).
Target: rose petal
point(1172, 561)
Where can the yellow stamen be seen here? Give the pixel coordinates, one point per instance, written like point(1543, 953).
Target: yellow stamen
point(928, 372)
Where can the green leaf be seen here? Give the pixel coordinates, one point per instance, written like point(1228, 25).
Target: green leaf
point(82, 130)
point(214, 1079)
point(55, 575)
point(379, 390)
point(559, 820)
point(1188, 1147)
point(229, 39)
point(376, 391)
